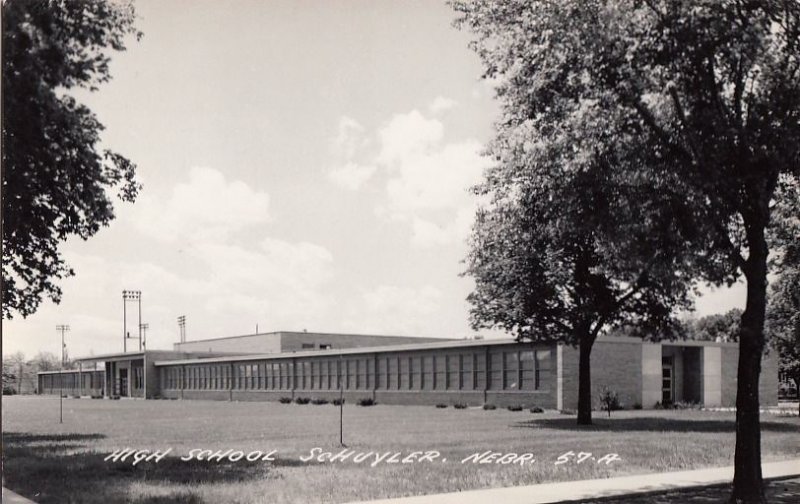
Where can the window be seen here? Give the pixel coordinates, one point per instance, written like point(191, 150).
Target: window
point(307, 346)
point(426, 381)
point(393, 367)
point(495, 374)
point(452, 372)
point(325, 346)
point(542, 368)
point(510, 371)
point(440, 375)
point(528, 375)
point(466, 371)
point(405, 370)
point(416, 373)
point(382, 371)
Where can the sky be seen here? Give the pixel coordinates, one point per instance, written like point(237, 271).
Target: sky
point(305, 165)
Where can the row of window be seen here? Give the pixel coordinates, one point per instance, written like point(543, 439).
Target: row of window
point(503, 370)
point(71, 380)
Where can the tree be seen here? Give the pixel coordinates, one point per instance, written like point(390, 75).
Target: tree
point(14, 368)
point(46, 361)
point(55, 177)
point(783, 309)
point(568, 249)
point(709, 96)
point(717, 327)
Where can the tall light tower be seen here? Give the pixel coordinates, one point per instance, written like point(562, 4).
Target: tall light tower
point(130, 295)
point(182, 327)
point(62, 328)
point(143, 328)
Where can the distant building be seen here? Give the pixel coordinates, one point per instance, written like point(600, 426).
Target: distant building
point(403, 370)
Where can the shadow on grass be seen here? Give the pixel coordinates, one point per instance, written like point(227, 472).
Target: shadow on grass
point(52, 469)
point(654, 424)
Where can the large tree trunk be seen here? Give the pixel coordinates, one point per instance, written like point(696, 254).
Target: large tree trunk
point(584, 381)
point(748, 486)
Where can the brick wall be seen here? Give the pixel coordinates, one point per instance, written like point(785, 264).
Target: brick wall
point(767, 384)
point(616, 365)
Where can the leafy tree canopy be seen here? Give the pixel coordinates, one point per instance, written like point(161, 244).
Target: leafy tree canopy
point(716, 327)
point(703, 95)
point(56, 177)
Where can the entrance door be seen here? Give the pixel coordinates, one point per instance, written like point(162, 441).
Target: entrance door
point(667, 380)
point(123, 382)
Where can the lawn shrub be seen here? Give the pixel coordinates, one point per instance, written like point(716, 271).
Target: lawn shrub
point(637, 406)
point(366, 401)
point(568, 412)
point(318, 401)
point(460, 406)
point(76, 396)
point(537, 409)
point(609, 399)
point(95, 396)
point(302, 400)
point(285, 400)
point(338, 401)
point(515, 407)
point(441, 405)
point(489, 406)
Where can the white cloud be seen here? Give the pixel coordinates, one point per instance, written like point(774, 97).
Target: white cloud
point(349, 138)
point(441, 104)
point(391, 309)
point(351, 175)
point(207, 207)
point(407, 136)
point(429, 179)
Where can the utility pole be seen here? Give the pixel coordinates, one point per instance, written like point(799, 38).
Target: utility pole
point(341, 402)
point(63, 328)
point(143, 328)
point(130, 295)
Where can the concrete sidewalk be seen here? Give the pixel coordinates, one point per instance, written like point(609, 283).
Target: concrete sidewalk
point(592, 489)
point(10, 497)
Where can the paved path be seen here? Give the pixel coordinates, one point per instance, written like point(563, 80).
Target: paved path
point(588, 489)
point(10, 497)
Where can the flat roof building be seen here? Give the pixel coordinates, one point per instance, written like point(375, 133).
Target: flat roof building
point(402, 370)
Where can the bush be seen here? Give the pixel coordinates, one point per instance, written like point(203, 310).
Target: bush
point(366, 401)
point(285, 400)
point(318, 401)
point(9, 391)
point(637, 406)
point(441, 405)
point(489, 407)
point(568, 412)
point(609, 400)
point(95, 396)
point(460, 406)
point(515, 407)
point(302, 400)
point(338, 401)
point(537, 409)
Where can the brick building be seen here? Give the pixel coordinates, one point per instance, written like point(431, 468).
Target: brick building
point(400, 370)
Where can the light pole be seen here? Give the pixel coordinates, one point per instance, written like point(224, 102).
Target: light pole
point(182, 327)
point(63, 328)
point(130, 295)
point(143, 329)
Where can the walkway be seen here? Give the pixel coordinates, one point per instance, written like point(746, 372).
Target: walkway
point(592, 489)
point(10, 497)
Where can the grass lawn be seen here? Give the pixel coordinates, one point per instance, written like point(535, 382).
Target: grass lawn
point(52, 462)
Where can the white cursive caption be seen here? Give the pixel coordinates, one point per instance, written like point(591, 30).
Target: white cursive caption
point(370, 458)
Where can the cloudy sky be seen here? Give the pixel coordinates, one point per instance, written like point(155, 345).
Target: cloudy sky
point(305, 166)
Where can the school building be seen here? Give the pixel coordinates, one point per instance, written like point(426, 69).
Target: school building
point(405, 370)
